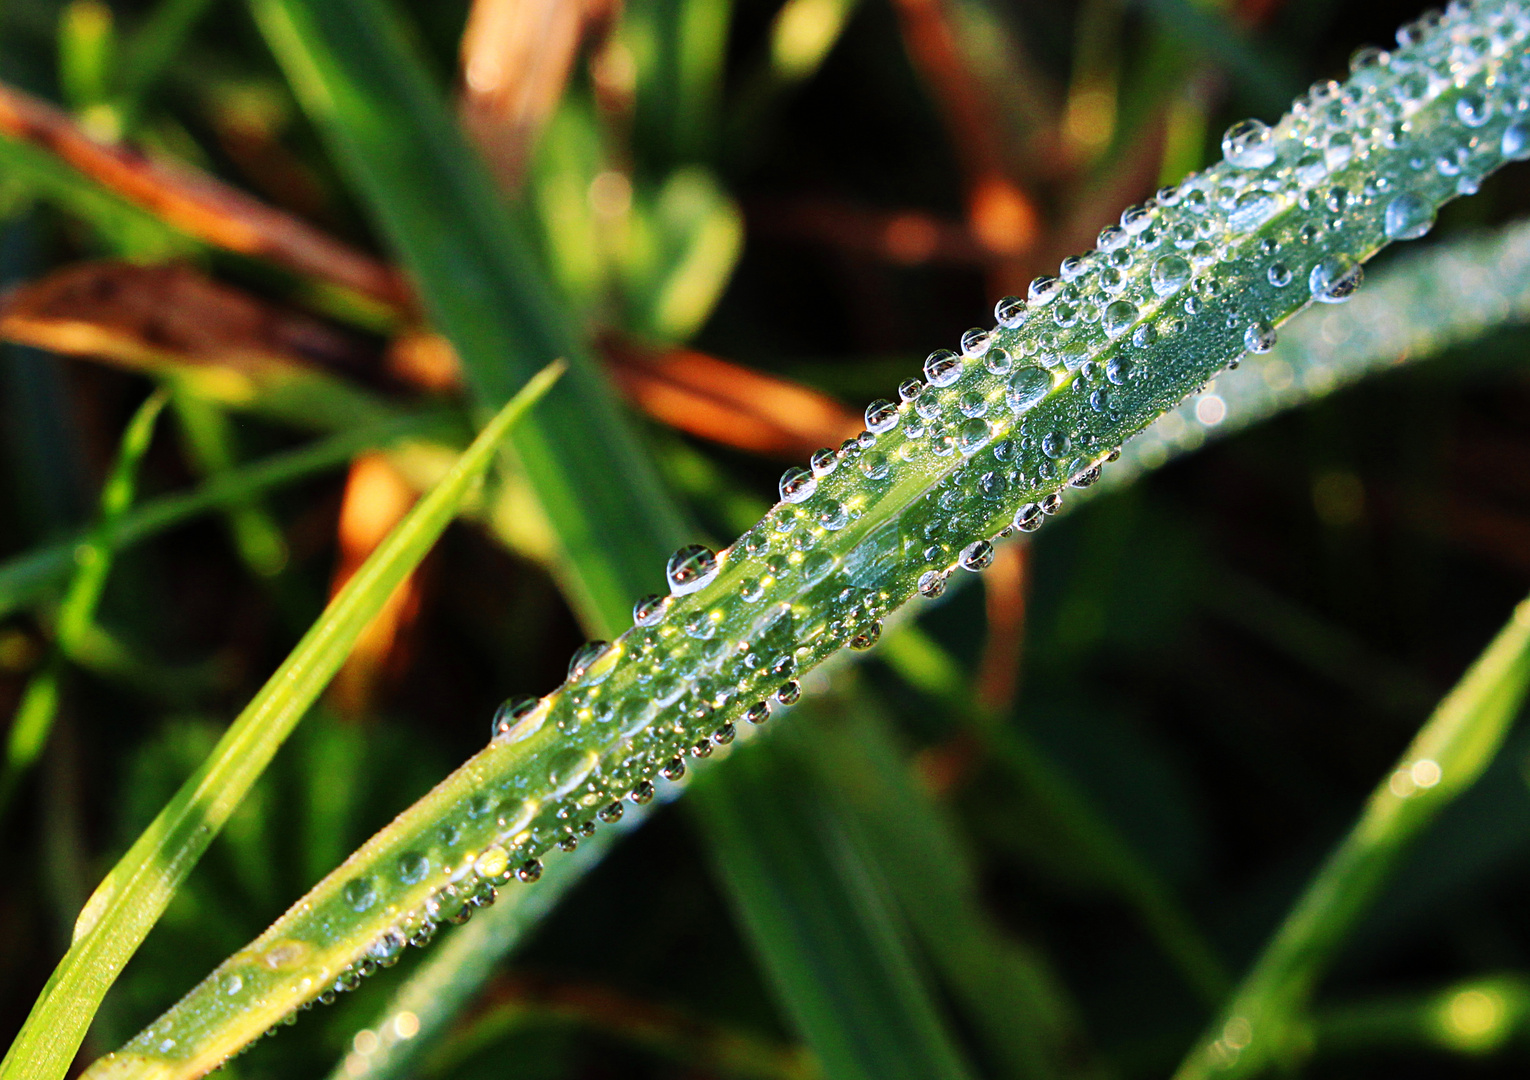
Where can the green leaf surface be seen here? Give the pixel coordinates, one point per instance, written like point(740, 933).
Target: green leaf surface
point(128, 902)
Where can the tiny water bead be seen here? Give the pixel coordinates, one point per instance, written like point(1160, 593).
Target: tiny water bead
point(942, 367)
point(360, 893)
point(1170, 274)
point(1249, 144)
point(1118, 318)
point(580, 663)
point(1259, 337)
point(691, 568)
point(797, 485)
point(649, 610)
point(1335, 279)
point(881, 416)
point(509, 713)
point(1408, 217)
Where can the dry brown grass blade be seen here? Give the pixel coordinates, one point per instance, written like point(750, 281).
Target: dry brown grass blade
point(728, 403)
point(516, 57)
point(144, 315)
point(198, 204)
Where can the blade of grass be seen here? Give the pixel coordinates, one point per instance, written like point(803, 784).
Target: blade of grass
point(823, 920)
point(26, 578)
point(149, 51)
point(352, 68)
point(93, 562)
point(1265, 1024)
point(1472, 1018)
point(355, 73)
point(1018, 1006)
point(129, 901)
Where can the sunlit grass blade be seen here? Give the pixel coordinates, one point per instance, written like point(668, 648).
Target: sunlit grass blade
point(1264, 1025)
point(129, 901)
point(433, 997)
point(28, 577)
point(92, 562)
point(824, 923)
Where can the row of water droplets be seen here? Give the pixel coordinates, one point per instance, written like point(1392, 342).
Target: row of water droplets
point(983, 446)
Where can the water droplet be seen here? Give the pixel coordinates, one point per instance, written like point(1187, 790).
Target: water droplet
point(1087, 478)
point(530, 870)
point(1249, 144)
point(997, 361)
point(360, 893)
point(1516, 141)
point(612, 812)
point(1029, 518)
point(1252, 210)
point(493, 863)
point(789, 692)
point(823, 462)
point(1010, 312)
point(1056, 444)
point(881, 415)
point(875, 466)
point(1279, 275)
point(387, 948)
point(975, 343)
point(1044, 289)
point(910, 389)
point(973, 435)
point(1113, 238)
point(1335, 279)
point(231, 984)
point(1118, 317)
point(931, 584)
point(942, 367)
point(412, 867)
point(586, 655)
point(649, 610)
point(866, 637)
point(833, 516)
point(506, 716)
point(1259, 337)
point(691, 568)
point(642, 793)
point(1408, 217)
point(1028, 385)
point(1472, 110)
point(976, 556)
point(1169, 274)
point(1136, 219)
point(568, 769)
point(1052, 503)
point(797, 485)
point(1339, 150)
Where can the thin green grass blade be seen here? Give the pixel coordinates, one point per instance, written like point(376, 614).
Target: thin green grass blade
point(357, 76)
point(27, 578)
point(1471, 1018)
point(149, 51)
point(1265, 1024)
point(824, 923)
point(129, 901)
point(92, 563)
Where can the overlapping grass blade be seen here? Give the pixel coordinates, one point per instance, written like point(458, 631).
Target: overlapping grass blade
point(92, 561)
point(129, 901)
point(1263, 1025)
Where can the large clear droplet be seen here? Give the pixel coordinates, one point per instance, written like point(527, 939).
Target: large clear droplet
point(1516, 141)
point(1408, 217)
point(1249, 144)
point(1027, 386)
point(797, 485)
point(1169, 274)
point(1335, 279)
point(1252, 210)
point(691, 568)
point(942, 367)
point(881, 416)
point(1259, 337)
point(1118, 317)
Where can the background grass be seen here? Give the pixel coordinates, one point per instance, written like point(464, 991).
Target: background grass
point(1168, 651)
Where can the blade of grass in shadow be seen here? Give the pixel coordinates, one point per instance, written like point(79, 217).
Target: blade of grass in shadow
point(1472, 1018)
point(129, 901)
point(92, 561)
point(149, 51)
point(27, 578)
point(825, 924)
point(921, 662)
point(1018, 1006)
point(1265, 1024)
